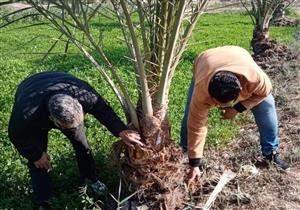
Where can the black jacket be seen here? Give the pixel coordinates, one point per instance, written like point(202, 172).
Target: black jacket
point(30, 121)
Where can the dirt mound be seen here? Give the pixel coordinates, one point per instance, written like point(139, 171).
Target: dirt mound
point(284, 21)
point(272, 54)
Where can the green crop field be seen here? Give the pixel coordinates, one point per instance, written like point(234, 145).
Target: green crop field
point(20, 56)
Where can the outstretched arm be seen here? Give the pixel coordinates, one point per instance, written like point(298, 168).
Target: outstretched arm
point(106, 115)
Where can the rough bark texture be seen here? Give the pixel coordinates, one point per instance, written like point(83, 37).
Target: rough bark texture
point(260, 41)
point(157, 172)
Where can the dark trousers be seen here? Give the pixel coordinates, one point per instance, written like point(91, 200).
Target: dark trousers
point(41, 181)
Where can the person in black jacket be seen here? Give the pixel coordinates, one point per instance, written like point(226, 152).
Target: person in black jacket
point(58, 100)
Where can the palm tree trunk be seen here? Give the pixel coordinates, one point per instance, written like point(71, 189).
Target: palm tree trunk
point(260, 40)
point(156, 172)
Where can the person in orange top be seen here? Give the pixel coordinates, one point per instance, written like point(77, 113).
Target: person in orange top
point(228, 77)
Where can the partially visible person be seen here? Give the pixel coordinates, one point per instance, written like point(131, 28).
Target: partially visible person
point(227, 77)
point(58, 100)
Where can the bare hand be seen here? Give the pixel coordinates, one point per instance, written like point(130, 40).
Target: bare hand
point(228, 113)
point(44, 162)
point(131, 138)
point(193, 175)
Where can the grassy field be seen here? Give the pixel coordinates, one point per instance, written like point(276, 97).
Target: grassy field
point(20, 56)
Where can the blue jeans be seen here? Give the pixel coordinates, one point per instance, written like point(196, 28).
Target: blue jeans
point(265, 117)
point(184, 122)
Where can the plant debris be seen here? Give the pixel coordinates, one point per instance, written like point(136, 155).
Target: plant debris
point(159, 177)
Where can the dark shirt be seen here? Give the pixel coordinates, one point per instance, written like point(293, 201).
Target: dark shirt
point(30, 121)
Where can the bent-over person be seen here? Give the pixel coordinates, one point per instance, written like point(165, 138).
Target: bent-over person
point(58, 100)
point(227, 77)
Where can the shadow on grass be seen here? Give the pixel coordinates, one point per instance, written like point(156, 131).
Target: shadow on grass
point(105, 25)
point(240, 23)
point(78, 61)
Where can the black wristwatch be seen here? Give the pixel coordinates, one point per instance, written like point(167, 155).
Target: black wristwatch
point(194, 162)
point(239, 107)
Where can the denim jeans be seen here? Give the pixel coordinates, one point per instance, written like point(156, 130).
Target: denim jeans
point(183, 131)
point(265, 118)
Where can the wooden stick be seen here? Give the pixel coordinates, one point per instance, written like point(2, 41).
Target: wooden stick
point(225, 178)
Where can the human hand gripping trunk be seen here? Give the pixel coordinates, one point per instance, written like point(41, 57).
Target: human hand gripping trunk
point(106, 115)
point(131, 138)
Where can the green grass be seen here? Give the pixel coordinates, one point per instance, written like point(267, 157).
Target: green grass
point(16, 63)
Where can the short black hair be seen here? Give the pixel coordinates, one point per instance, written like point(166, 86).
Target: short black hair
point(224, 86)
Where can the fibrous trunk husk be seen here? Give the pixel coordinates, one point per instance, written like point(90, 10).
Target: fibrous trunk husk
point(157, 171)
point(260, 41)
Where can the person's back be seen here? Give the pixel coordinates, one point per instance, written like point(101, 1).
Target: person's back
point(233, 58)
point(30, 107)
